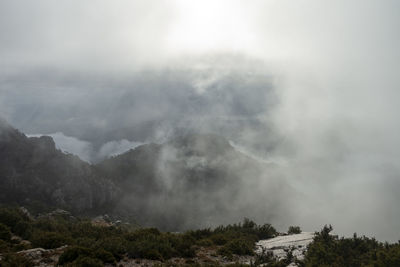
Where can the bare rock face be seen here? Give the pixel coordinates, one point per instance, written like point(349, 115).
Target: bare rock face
point(33, 254)
point(43, 257)
point(281, 245)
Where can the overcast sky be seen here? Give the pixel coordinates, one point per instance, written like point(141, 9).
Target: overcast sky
point(311, 84)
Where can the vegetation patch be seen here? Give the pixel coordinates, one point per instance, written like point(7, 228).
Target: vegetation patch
point(90, 245)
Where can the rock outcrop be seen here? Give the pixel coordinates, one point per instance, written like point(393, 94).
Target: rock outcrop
point(281, 245)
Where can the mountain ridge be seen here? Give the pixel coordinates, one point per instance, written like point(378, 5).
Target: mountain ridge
point(189, 180)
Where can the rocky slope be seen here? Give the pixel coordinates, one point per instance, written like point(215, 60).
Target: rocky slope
point(33, 171)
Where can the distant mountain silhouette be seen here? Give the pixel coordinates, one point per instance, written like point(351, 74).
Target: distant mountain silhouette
point(189, 180)
point(192, 178)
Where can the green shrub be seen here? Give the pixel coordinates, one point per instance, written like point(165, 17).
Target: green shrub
point(86, 230)
point(151, 254)
point(294, 230)
point(219, 239)
point(23, 229)
point(85, 242)
point(116, 245)
point(264, 257)
point(21, 246)
point(72, 253)
point(205, 242)
point(4, 246)
point(49, 240)
point(109, 244)
point(200, 234)
point(329, 250)
point(57, 224)
point(266, 231)
point(15, 260)
point(84, 261)
point(389, 256)
point(142, 234)
point(104, 256)
point(182, 244)
point(5, 233)
point(248, 224)
point(11, 216)
point(238, 247)
point(248, 228)
point(224, 251)
point(153, 247)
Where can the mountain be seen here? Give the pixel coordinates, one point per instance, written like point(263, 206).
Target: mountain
point(33, 171)
point(193, 180)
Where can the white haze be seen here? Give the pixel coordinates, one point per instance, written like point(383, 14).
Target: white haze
point(330, 70)
point(85, 149)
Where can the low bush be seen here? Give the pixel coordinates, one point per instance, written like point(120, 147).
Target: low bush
point(49, 240)
point(238, 246)
point(84, 261)
point(266, 231)
point(205, 242)
point(219, 239)
point(23, 229)
point(152, 247)
point(11, 216)
point(5, 246)
point(5, 233)
point(329, 250)
point(72, 253)
point(110, 244)
point(116, 245)
point(15, 260)
point(294, 230)
point(104, 256)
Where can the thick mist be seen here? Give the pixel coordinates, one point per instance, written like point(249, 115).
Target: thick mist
point(311, 86)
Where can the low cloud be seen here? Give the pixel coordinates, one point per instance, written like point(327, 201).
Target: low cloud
point(313, 83)
point(69, 144)
point(114, 148)
point(85, 150)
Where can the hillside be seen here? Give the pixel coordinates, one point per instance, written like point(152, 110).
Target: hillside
point(58, 239)
point(190, 181)
point(34, 173)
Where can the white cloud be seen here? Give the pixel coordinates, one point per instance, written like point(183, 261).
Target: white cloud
point(85, 150)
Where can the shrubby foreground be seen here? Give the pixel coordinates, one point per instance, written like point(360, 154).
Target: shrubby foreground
point(71, 241)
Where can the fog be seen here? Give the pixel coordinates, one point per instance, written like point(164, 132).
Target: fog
point(85, 149)
point(310, 85)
